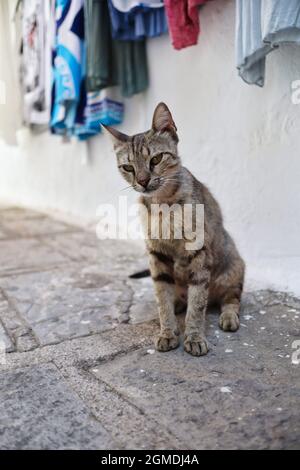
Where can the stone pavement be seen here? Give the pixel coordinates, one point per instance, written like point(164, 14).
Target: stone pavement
point(77, 364)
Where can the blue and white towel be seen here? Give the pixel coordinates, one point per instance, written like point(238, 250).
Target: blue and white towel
point(103, 107)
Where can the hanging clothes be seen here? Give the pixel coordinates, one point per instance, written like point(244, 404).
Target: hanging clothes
point(102, 69)
point(127, 5)
point(68, 60)
point(183, 19)
point(103, 107)
point(10, 96)
point(35, 61)
point(111, 62)
point(132, 20)
point(75, 111)
point(132, 67)
point(262, 26)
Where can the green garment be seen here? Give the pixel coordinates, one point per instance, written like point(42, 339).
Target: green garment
point(111, 62)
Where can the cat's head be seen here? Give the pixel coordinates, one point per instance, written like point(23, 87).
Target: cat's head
point(149, 161)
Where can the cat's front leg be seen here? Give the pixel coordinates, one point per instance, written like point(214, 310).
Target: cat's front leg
point(162, 275)
point(195, 341)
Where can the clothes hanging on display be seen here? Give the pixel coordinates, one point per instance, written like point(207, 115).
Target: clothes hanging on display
point(183, 19)
point(102, 71)
point(103, 107)
point(262, 26)
point(10, 93)
point(133, 20)
point(127, 5)
point(73, 71)
point(75, 111)
point(68, 91)
point(112, 62)
point(132, 67)
point(35, 60)
point(79, 58)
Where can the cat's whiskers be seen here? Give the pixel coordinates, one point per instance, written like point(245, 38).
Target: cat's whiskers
point(171, 178)
point(127, 187)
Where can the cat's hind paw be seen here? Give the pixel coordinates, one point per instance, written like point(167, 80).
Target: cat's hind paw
point(229, 321)
point(196, 345)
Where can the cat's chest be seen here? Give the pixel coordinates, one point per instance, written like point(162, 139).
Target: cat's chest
point(166, 224)
point(173, 248)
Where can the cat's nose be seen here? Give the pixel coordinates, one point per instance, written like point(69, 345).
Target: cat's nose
point(144, 181)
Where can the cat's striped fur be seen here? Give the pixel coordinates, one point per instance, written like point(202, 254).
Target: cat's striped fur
point(182, 278)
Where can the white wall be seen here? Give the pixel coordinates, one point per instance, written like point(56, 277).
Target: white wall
point(242, 141)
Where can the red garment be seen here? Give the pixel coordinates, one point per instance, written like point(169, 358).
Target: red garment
point(183, 19)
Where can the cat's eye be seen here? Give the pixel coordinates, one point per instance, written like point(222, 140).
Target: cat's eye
point(128, 168)
point(156, 160)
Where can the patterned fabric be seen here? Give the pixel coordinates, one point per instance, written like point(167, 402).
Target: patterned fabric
point(137, 20)
point(10, 95)
point(75, 112)
point(102, 108)
point(68, 73)
point(183, 19)
point(35, 61)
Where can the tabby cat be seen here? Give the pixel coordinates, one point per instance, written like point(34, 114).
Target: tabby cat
point(183, 278)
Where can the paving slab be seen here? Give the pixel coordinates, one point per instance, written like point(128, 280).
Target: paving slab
point(205, 406)
point(118, 257)
point(19, 331)
point(87, 351)
point(3, 234)
point(18, 213)
point(128, 426)
point(34, 226)
point(244, 394)
point(68, 302)
point(6, 344)
point(25, 255)
point(39, 411)
point(144, 306)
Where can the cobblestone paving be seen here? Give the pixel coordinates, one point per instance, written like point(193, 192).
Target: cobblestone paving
point(78, 369)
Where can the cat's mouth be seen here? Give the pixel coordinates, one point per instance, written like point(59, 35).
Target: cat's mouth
point(147, 191)
point(152, 188)
point(151, 191)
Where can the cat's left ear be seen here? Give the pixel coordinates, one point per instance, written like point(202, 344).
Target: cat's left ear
point(162, 119)
point(117, 137)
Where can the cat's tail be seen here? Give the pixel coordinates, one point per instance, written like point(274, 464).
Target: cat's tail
point(140, 274)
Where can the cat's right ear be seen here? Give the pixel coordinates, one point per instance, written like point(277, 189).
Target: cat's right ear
point(162, 119)
point(117, 137)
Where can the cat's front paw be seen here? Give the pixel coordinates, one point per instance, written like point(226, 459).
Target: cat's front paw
point(166, 341)
point(195, 344)
point(229, 321)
